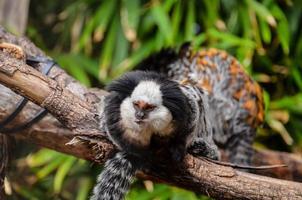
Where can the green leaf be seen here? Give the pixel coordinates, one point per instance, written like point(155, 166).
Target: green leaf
point(245, 22)
point(45, 171)
point(292, 103)
point(282, 28)
point(230, 40)
point(41, 157)
point(73, 67)
point(175, 20)
point(162, 20)
point(297, 76)
point(134, 59)
point(62, 172)
point(167, 5)
point(199, 40)
point(283, 34)
point(97, 24)
point(84, 189)
point(108, 48)
point(211, 10)
point(265, 31)
point(130, 15)
point(262, 12)
point(103, 18)
point(190, 21)
point(121, 49)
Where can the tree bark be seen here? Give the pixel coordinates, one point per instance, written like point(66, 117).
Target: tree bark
point(73, 128)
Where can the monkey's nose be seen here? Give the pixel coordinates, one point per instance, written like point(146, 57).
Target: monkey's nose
point(140, 115)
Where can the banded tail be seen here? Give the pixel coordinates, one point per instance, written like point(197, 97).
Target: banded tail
point(114, 181)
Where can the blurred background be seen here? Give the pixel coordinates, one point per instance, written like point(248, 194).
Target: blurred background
point(96, 41)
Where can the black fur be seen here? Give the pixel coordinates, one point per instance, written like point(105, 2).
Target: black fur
point(159, 61)
point(173, 99)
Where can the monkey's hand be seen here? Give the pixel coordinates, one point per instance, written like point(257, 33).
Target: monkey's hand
point(177, 152)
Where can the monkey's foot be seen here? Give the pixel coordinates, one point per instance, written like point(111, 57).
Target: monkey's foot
point(199, 147)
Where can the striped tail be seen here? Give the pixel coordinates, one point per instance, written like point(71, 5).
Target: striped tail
point(114, 181)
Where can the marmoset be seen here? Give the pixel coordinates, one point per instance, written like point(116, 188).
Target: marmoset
point(197, 101)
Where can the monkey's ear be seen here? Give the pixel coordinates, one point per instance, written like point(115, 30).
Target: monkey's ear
point(158, 61)
point(185, 50)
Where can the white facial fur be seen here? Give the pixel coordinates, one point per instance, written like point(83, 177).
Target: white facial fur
point(158, 120)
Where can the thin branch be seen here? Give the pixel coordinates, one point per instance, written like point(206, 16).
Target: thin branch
point(76, 107)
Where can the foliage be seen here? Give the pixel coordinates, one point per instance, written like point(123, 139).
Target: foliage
point(96, 41)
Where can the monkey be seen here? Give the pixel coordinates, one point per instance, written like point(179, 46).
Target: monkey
point(235, 99)
point(142, 105)
point(197, 101)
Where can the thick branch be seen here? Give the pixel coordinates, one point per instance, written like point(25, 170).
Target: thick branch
point(77, 107)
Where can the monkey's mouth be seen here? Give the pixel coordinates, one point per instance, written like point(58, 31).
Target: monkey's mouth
point(140, 122)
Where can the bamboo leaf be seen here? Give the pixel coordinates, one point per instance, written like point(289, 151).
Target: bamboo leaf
point(41, 157)
point(230, 39)
point(175, 20)
point(190, 21)
point(102, 18)
point(97, 24)
point(130, 15)
point(121, 49)
point(162, 20)
point(283, 34)
point(84, 189)
point(262, 12)
point(282, 28)
point(134, 59)
point(45, 171)
point(265, 32)
point(107, 52)
point(62, 172)
point(74, 68)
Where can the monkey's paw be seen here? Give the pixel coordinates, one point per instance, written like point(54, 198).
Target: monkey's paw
point(199, 147)
point(177, 153)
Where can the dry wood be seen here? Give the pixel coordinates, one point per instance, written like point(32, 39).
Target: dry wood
point(76, 107)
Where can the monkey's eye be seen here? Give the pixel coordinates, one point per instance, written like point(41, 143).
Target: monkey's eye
point(150, 107)
point(135, 104)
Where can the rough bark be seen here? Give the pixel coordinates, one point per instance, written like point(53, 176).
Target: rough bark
point(77, 108)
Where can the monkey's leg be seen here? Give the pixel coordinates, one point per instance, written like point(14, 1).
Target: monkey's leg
point(200, 147)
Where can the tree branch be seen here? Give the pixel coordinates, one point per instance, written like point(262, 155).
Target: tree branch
point(77, 108)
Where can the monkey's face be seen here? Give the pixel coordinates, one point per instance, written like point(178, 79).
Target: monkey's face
point(144, 111)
